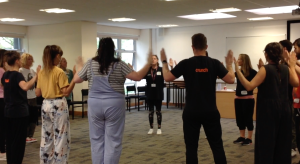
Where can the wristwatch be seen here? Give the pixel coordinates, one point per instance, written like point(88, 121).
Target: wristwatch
point(164, 61)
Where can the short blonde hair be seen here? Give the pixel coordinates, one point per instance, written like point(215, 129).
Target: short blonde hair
point(24, 59)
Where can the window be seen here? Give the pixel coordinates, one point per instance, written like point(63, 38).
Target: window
point(126, 50)
point(127, 44)
point(10, 43)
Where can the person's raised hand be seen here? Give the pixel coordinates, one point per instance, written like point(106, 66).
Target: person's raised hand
point(38, 69)
point(163, 55)
point(229, 58)
point(292, 59)
point(130, 65)
point(171, 62)
point(235, 64)
point(74, 69)
point(149, 59)
point(260, 63)
point(79, 62)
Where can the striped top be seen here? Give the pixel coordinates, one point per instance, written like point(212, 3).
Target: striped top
point(116, 79)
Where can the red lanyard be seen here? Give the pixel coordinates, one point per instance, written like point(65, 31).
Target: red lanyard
point(153, 75)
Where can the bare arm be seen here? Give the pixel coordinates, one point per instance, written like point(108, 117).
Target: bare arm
point(139, 75)
point(229, 77)
point(27, 85)
point(67, 90)
point(38, 92)
point(255, 82)
point(294, 80)
point(168, 76)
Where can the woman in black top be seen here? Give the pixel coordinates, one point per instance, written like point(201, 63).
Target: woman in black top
point(273, 115)
point(244, 101)
point(155, 93)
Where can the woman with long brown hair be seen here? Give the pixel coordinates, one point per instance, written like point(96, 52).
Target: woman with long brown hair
point(244, 101)
point(53, 85)
point(273, 110)
point(106, 75)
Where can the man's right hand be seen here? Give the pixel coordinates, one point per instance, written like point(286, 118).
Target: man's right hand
point(229, 58)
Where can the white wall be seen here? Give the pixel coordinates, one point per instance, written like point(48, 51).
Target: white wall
point(177, 41)
point(75, 39)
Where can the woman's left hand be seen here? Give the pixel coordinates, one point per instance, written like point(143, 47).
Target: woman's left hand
point(292, 59)
point(235, 64)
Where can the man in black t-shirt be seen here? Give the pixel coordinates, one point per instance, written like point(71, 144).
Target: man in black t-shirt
point(200, 73)
point(16, 109)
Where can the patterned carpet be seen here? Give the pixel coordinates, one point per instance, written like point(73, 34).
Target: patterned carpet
point(140, 148)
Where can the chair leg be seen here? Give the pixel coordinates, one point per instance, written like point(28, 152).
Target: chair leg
point(72, 112)
point(129, 104)
point(82, 110)
point(138, 105)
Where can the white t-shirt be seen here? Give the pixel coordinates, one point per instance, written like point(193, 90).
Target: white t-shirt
point(28, 75)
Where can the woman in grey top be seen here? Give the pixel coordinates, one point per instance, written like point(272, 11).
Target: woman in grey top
point(106, 102)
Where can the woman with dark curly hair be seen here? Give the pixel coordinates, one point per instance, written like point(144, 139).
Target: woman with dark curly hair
point(273, 115)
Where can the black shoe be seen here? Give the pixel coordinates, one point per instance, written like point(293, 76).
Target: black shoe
point(239, 140)
point(247, 142)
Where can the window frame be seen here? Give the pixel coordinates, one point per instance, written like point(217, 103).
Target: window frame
point(18, 45)
point(119, 52)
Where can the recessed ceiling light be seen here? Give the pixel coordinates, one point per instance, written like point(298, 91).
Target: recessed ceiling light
point(224, 10)
point(207, 16)
point(57, 10)
point(168, 25)
point(273, 10)
point(11, 19)
point(260, 18)
point(121, 19)
point(3, 1)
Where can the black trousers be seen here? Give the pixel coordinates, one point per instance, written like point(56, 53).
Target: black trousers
point(192, 122)
point(2, 126)
point(244, 109)
point(297, 126)
point(16, 139)
point(33, 117)
point(157, 104)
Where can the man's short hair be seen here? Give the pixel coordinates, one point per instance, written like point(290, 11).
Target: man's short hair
point(199, 41)
point(287, 44)
point(11, 57)
point(297, 42)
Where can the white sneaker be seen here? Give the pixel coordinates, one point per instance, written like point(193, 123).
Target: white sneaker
point(2, 156)
point(158, 131)
point(294, 152)
point(150, 131)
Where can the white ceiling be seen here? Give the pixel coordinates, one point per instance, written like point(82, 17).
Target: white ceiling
point(148, 13)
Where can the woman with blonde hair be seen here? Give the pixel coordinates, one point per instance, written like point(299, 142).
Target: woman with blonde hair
point(53, 85)
point(28, 73)
point(244, 101)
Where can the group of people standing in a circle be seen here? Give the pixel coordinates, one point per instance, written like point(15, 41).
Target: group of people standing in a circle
point(106, 76)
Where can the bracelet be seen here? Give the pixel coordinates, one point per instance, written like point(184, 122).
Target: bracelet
point(164, 61)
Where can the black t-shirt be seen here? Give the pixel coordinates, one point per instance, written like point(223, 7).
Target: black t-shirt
point(15, 97)
point(200, 74)
point(155, 77)
point(240, 89)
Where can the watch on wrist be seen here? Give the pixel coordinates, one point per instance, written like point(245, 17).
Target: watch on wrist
point(164, 61)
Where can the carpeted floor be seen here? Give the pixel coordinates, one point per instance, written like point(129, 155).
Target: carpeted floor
point(140, 148)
